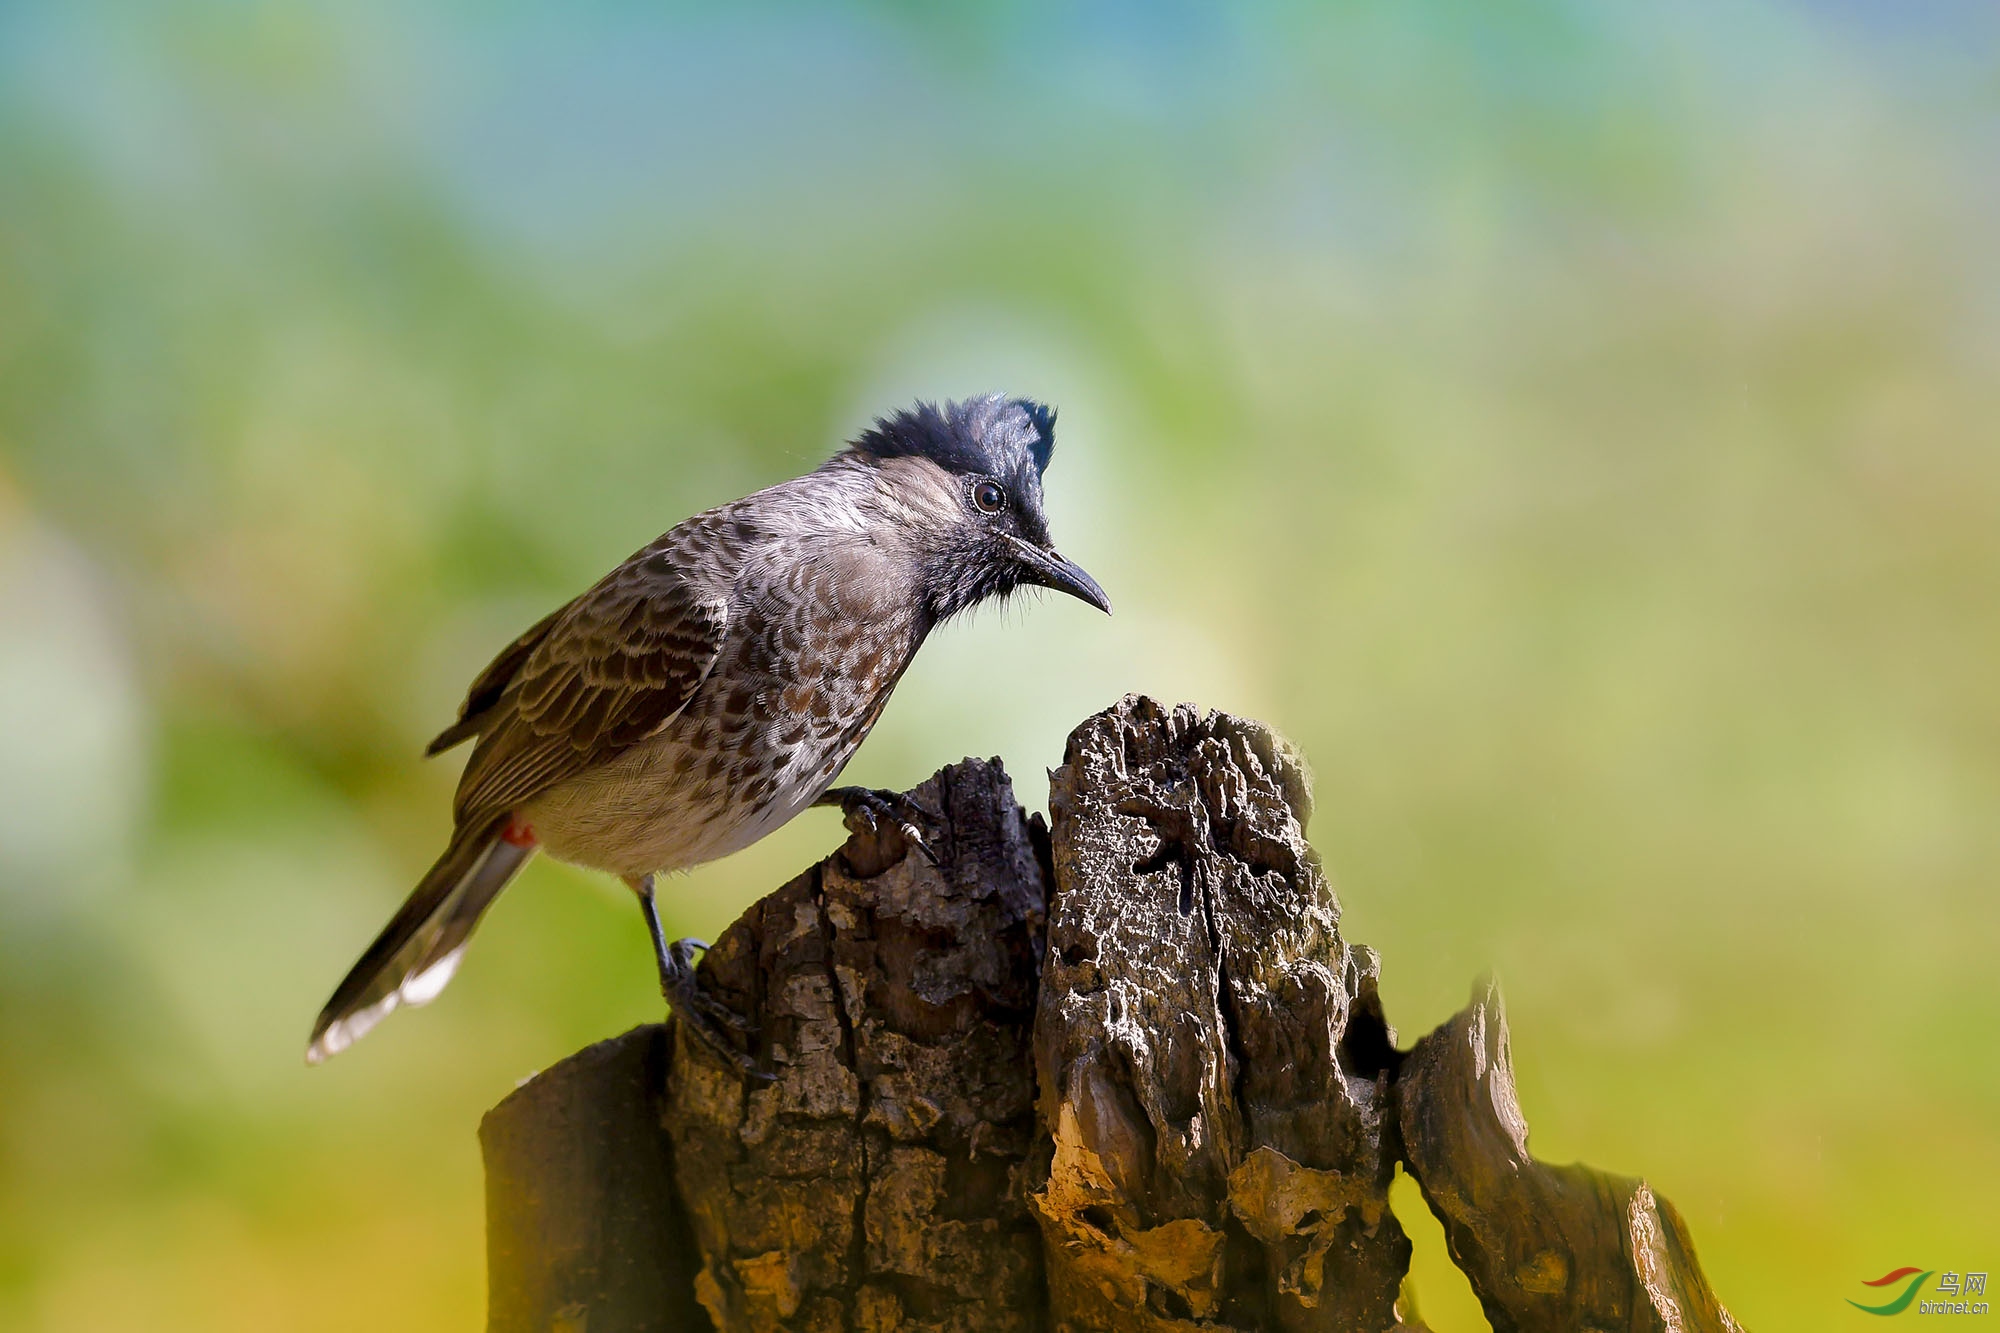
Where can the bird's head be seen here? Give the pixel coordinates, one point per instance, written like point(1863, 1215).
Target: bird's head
point(964, 481)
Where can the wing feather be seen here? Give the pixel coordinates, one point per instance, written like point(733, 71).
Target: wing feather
point(614, 667)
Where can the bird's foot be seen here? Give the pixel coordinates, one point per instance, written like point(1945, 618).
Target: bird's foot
point(868, 810)
point(713, 1023)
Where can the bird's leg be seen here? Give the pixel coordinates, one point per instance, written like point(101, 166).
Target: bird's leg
point(708, 1019)
point(880, 807)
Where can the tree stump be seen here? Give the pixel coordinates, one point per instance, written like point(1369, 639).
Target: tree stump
point(1124, 1074)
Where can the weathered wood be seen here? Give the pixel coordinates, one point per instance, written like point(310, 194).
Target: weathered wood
point(1213, 1063)
point(1174, 1105)
point(873, 1183)
point(1545, 1247)
point(583, 1231)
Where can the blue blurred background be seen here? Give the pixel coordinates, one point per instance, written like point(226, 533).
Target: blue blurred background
point(1574, 424)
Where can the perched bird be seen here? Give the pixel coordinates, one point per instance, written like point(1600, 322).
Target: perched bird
point(714, 685)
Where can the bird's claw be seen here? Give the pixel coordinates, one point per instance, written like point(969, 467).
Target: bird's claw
point(883, 807)
point(709, 1020)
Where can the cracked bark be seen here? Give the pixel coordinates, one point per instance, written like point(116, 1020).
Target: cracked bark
point(1124, 1073)
point(873, 1183)
point(1221, 1151)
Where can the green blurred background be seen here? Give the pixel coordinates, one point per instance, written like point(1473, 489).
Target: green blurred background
point(1574, 424)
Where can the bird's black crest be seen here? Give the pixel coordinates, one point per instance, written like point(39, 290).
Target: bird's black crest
point(993, 435)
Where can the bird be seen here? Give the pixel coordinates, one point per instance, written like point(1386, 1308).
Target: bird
point(715, 684)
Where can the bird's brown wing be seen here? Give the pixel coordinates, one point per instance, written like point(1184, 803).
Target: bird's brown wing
point(616, 665)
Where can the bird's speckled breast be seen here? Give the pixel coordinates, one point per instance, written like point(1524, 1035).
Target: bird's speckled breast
point(817, 640)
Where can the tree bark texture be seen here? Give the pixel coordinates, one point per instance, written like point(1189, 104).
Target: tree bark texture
point(1213, 1065)
point(1123, 1073)
point(875, 1181)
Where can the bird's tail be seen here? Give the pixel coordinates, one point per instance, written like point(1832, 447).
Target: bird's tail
point(416, 953)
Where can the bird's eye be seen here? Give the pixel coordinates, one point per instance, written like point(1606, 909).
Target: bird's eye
point(989, 497)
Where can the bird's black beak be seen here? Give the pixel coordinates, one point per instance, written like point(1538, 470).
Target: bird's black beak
point(1052, 571)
